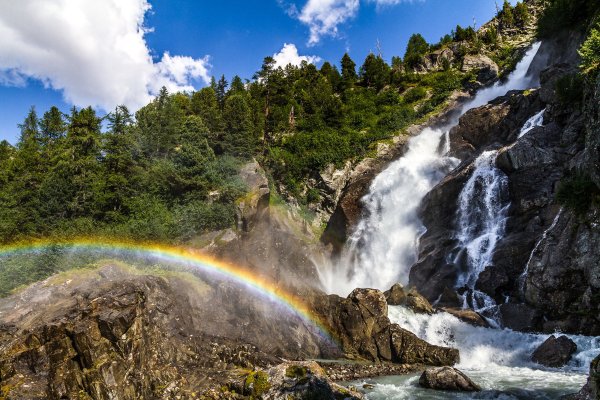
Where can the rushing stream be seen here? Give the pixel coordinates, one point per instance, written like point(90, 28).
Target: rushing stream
point(384, 246)
point(497, 360)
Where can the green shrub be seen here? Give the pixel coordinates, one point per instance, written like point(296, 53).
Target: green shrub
point(566, 14)
point(578, 192)
point(569, 89)
point(590, 53)
point(415, 94)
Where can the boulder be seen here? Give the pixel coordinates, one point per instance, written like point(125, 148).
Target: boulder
point(361, 324)
point(295, 380)
point(395, 296)
point(591, 390)
point(469, 316)
point(447, 378)
point(487, 69)
point(555, 352)
point(416, 302)
point(407, 348)
point(519, 317)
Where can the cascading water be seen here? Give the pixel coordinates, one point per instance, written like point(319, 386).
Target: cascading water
point(498, 360)
point(482, 210)
point(384, 245)
point(533, 122)
point(382, 249)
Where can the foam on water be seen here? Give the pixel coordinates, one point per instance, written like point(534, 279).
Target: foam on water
point(497, 360)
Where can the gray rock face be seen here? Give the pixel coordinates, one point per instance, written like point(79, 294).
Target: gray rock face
point(108, 334)
point(447, 378)
point(554, 352)
point(591, 390)
point(487, 69)
point(256, 202)
point(396, 296)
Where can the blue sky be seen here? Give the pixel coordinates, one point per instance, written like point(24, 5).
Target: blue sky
point(95, 53)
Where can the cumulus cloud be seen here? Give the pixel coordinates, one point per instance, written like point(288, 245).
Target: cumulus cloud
point(93, 51)
point(289, 55)
point(323, 17)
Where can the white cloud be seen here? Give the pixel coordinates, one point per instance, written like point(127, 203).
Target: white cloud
point(289, 55)
point(323, 17)
point(93, 51)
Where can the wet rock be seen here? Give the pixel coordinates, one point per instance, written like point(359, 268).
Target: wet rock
point(554, 352)
point(447, 378)
point(519, 317)
point(416, 302)
point(395, 296)
point(469, 316)
point(361, 324)
point(407, 348)
point(591, 390)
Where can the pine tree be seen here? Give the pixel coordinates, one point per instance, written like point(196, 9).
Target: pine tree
point(239, 140)
point(415, 50)
point(375, 72)
point(349, 76)
point(53, 126)
point(507, 18)
point(80, 161)
point(221, 90)
point(206, 106)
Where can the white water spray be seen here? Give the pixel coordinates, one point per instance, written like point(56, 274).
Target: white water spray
point(384, 245)
point(498, 360)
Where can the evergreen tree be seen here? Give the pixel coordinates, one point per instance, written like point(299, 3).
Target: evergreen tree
point(415, 50)
point(349, 76)
point(52, 126)
point(80, 160)
point(507, 18)
point(238, 138)
point(118, 166)
point(375, 72)
point(521, 14)
point(206, 106)
point(237, 86)
point(221, 91)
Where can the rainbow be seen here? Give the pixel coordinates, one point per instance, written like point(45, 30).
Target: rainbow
point(180, 255)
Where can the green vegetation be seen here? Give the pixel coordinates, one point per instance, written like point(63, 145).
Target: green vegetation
point(578, 192)
point(569, 89)
point(257, 384)
point(590, 53)
point(170, 172)
point(566, 14)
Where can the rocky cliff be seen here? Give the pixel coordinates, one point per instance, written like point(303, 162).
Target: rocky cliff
point(544, 269)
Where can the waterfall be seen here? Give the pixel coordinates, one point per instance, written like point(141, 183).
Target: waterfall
point(533, 122)
point(482, 211)
point(384, 244)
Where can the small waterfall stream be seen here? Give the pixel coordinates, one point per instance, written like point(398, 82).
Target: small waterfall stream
point(482, 211)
